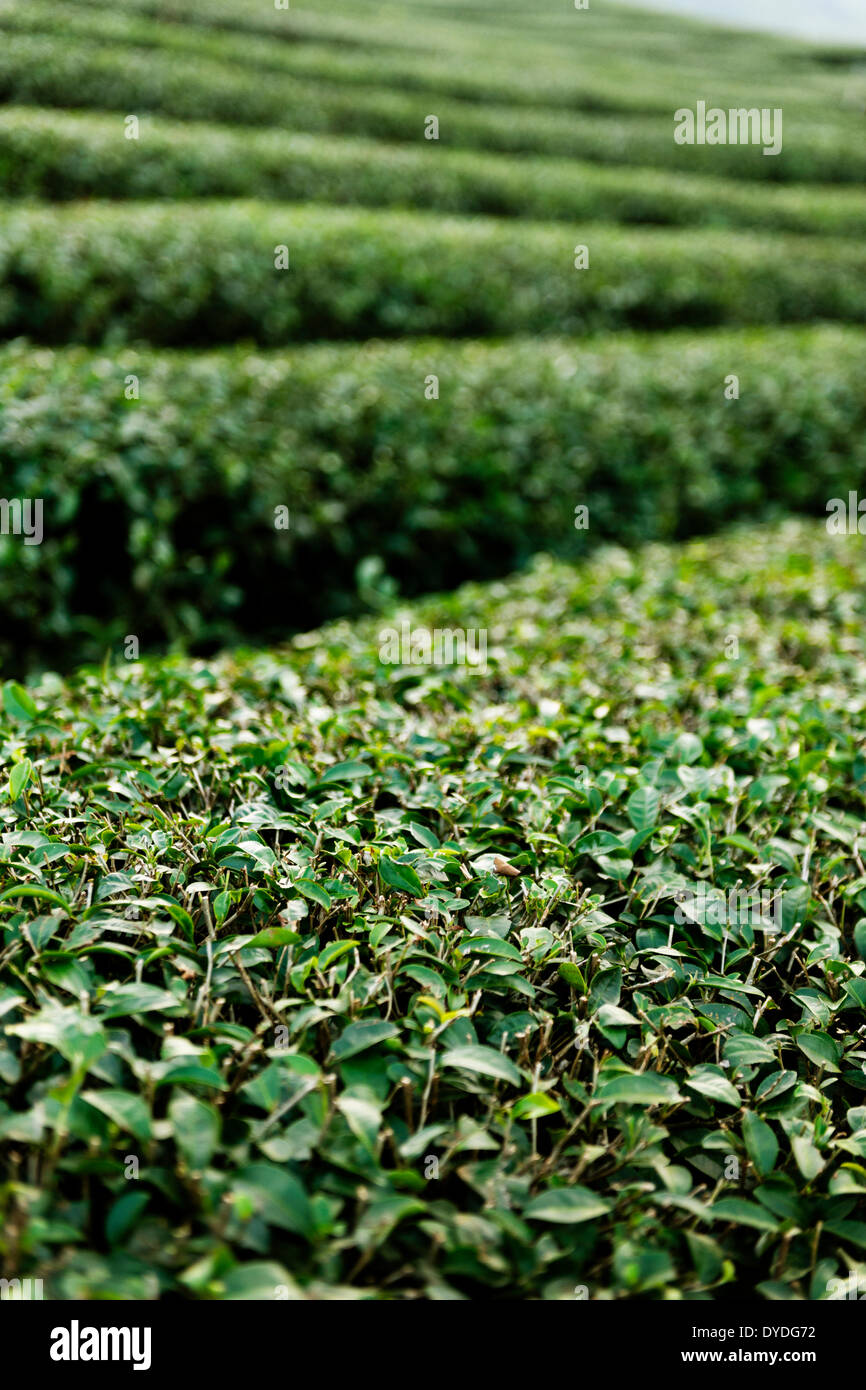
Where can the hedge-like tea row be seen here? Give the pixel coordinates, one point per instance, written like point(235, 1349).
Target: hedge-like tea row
point(534, 51)
point(159, 512)
point(540, 75)
point(47, 154)
point(51, 71)
point(216, 273)
point(374, 65)
point(254, 937)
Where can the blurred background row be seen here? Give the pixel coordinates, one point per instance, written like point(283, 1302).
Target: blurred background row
point(294, 311)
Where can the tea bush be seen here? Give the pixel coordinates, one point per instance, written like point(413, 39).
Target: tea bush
point(278, 1022)
point(159, 513)
point(820, 145)
point(74, 155)
point(213, 273)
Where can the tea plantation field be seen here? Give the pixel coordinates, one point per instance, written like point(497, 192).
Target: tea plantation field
point(328, 969)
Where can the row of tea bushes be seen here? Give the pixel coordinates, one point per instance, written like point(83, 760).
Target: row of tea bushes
point(162, 474)
point(56, 155)
point(220, 272)
point(820, 145)
point(536, 73)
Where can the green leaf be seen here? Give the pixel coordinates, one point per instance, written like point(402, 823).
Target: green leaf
point(742, 1212)
point(761, 1143)
point(121, 1000)
point(382, 1216)
point(855, 1231)
point(486, 1061)
point(706, 1256)
point(181, 1072)
point(807, 1155)
point(491, 946)
point(367, 1032)
point(775, 1085)
point(196, 1126)
point(275, 938)
point(612, 1016)
point(534, 1106)
point(743, 1049)
point(401, 877)
point(127, 1110)
point(76, 1036)
point(123, 1215)
point(820, 1049)
point(364, 1118)
point(566, 1205)
point(221, 907)
point(19, 703)
point(177, 913)
point(710, 1081)
point(345, 772)
point(333, 951)
point(30, 890)
point(572, 976)
point(19, 777)
point(424, 836)
point(640, 1088)
point(687, 748)
point(314, 891)
point(277, 1196)
point(642, 807)
point(617, 866)
point(606, 988)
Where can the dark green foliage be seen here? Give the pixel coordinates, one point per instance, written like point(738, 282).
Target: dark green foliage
point(159, 512)
point(73, 155)
point(109, 273)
